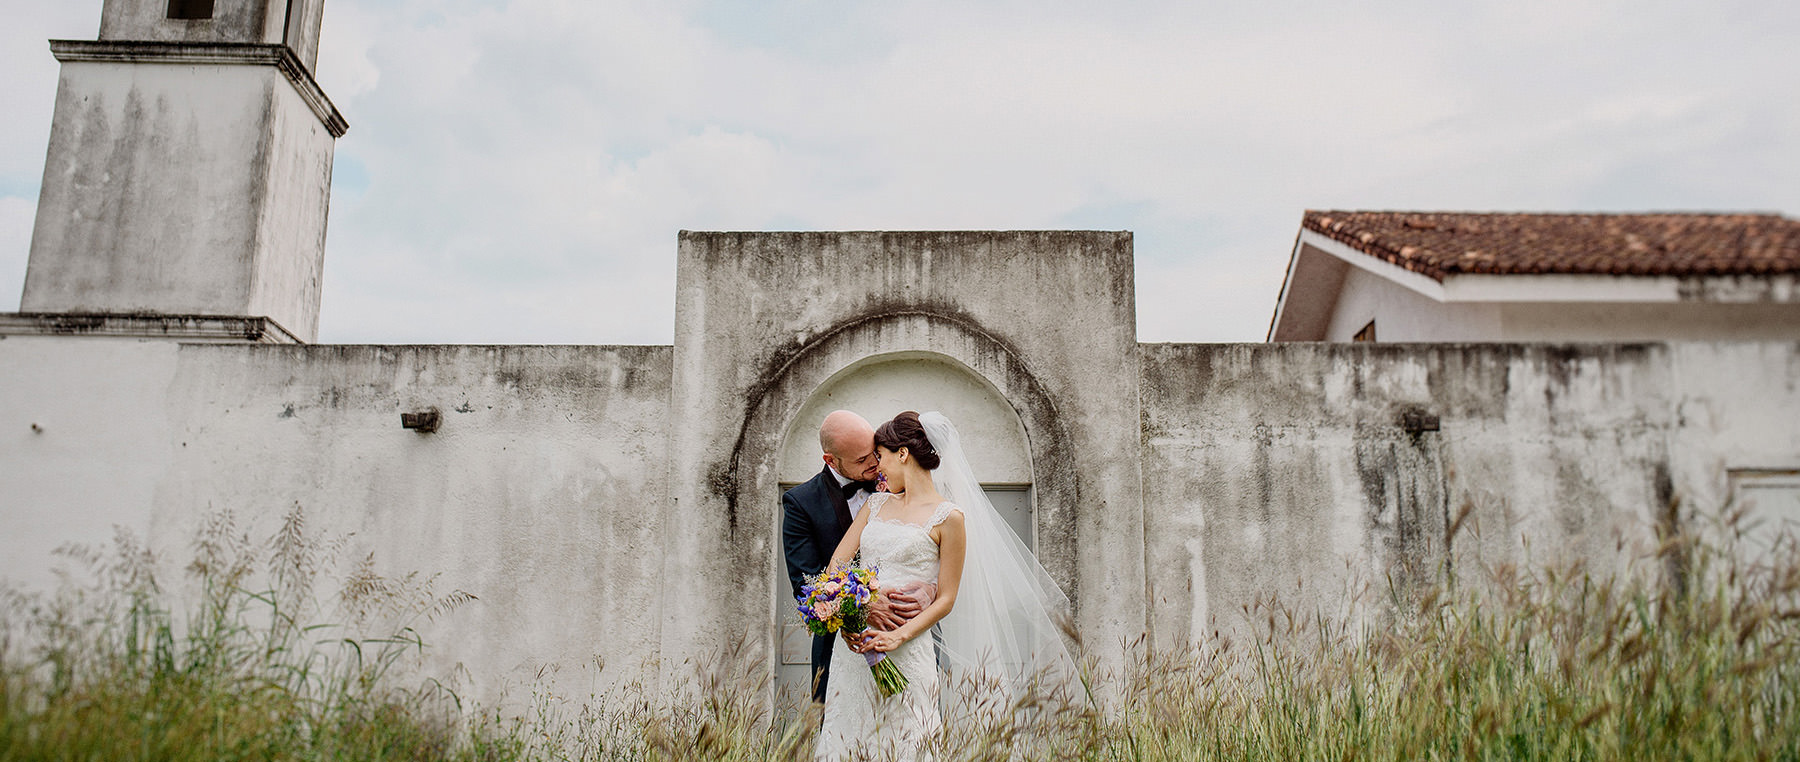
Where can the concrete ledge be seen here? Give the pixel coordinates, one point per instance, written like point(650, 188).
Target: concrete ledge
point(214, 53)
point(185, 328)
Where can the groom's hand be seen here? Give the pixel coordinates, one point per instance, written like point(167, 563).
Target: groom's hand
point(881, 613)
point(908, 600)
point(894, 608)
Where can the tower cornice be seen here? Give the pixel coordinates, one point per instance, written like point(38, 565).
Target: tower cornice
point(211, 53)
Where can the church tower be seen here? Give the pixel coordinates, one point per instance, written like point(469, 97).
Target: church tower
point(188, 174)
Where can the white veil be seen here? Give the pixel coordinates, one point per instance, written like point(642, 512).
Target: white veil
point(1004, 624)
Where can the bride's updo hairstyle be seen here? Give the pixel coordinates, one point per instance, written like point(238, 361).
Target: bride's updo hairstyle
point(905, 431)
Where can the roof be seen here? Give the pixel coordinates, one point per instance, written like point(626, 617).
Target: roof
point(1441, 244)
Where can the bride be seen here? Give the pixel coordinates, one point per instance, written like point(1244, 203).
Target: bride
point(935, 525)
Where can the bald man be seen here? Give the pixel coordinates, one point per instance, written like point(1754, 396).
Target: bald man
point(815, 515)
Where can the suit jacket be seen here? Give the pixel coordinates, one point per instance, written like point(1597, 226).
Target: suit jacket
point(814, 518)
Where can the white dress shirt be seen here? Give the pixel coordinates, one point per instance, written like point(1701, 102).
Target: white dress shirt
point(857, 500)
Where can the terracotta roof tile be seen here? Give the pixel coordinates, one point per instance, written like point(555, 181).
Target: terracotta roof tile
point(1441, 244)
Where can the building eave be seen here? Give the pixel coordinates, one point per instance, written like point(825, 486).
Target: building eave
point(279, 56)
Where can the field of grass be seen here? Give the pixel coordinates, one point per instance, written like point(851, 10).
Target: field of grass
point(1695, 660)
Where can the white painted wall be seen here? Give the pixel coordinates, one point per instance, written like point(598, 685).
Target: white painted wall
point(1404, 315)
point(1401, 314)
point(1676, 321)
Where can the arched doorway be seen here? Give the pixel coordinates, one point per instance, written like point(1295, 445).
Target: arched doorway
point(878, 388)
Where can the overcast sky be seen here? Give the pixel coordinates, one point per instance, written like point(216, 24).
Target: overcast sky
point(516, 172)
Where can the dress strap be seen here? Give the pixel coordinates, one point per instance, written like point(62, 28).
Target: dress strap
point(943, 512)
point(875, 501)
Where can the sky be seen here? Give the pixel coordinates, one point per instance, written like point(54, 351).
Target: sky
point(517, 171)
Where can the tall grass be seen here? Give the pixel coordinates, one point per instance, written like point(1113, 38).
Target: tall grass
point(1516, 663)
point(1551, 664)
point(102, 669)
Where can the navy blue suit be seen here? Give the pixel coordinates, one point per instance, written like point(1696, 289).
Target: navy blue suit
point(814, 517)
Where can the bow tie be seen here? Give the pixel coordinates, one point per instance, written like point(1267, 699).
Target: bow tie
point(851, 488)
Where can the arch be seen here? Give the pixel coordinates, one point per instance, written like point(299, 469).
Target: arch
point(791, 379)
point(882, 385)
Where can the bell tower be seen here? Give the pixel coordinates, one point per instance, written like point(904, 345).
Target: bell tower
point(188, 175)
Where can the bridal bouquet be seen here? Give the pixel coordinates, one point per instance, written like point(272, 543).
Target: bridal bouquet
point(838, 599)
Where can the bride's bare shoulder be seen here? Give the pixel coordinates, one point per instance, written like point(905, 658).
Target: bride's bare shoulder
point(947, 512)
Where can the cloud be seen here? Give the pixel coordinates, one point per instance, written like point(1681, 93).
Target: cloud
point(16, 216)
point(517, 171)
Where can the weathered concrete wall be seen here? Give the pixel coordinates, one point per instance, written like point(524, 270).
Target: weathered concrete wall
point(232, 21)
point(547, 490)
point(1046, 318)
point(294, 22)
point(289, 254)
point(1736, 410)
point(182, 189)
point(1288, 468)
point(541, 493)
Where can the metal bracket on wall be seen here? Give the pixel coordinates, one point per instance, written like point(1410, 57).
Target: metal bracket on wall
point(1417, 421)
point(423, 421)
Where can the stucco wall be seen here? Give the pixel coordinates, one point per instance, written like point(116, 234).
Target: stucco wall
point(541, 493)
point(1287, 468)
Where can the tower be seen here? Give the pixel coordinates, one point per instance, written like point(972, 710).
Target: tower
point(188, 174)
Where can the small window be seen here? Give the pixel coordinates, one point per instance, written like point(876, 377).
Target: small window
point(189, 10)
point(1768, 505)
point(1366, 334)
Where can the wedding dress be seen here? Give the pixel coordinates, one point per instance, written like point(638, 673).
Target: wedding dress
point(857, 716)
point(1005, 626)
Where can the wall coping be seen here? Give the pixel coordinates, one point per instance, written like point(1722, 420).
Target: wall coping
point(192, 328)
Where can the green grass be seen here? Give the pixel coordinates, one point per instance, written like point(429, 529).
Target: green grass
point(102, 670)
point(1695, 660)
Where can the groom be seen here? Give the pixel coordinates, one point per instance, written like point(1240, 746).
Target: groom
point(815, 515)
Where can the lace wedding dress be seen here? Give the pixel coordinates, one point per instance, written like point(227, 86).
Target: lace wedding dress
point(857, 716)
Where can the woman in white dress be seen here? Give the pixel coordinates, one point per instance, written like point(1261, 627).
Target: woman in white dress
point(938, 527)
point(909, 534)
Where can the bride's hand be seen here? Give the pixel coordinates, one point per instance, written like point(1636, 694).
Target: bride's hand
point(879, 640)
